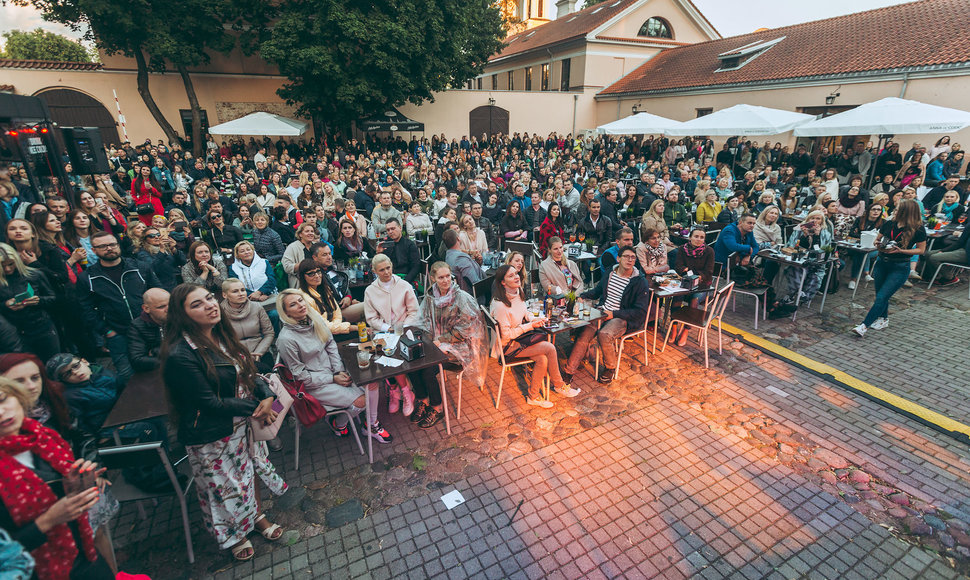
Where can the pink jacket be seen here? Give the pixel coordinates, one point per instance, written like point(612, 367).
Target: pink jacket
point(383, 309)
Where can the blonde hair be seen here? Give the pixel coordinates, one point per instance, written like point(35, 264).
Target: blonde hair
point(8, 253)
point(320, 327)
point(11, 388)
point(230, 282)
point(378, 260)
point(235, 249)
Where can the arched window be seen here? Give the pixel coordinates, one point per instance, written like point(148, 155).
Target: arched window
point(656, 27)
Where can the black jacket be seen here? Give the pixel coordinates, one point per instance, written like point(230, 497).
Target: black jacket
point(601, 234)
point(144, 342)
point(406, 258)
point(107, 306)
point(634, 303)
point(206, 409)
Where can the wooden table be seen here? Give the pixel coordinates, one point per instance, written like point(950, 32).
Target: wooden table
point(377, 373)
point(143, 398)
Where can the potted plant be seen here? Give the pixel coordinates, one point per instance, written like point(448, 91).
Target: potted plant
point(828, 249)
point(571, 302)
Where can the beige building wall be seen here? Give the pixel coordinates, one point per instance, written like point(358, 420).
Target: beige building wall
point(943, 91)
point(223, 97)
point(685, 29)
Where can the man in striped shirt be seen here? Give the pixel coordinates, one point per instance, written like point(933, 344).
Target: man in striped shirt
point(622, 297)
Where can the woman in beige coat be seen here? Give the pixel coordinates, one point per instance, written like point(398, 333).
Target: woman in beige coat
point(558, 271)
point(653, 219)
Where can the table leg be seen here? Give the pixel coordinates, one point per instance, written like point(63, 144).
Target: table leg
point(656, 320)
point(828, 280)
point(858, 278)
point(444, 396)
point(798, 298)
point(370, 440)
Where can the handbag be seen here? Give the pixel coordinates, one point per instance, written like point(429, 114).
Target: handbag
point(525, 340)
point(144, 209)
point(282, 405)
point(307, 409)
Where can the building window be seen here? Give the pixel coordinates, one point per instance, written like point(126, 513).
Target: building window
point(544, 72)
point(704, 111)
point(494, 82)
point(511, 80)
point(479, 83)
point(656, 27)
point(528, 78)
point(564, 75)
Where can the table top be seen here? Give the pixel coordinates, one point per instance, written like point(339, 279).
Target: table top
point(143, 398)
point(595, 314)
point(377, 372)
point(943, 232)
point(853, 246)
point(668, 292)
point(786, 259)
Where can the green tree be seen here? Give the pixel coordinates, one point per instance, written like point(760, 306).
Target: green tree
point(40, 44)
point(347, 59)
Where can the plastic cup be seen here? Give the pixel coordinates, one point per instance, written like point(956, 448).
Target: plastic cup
point(363, 359)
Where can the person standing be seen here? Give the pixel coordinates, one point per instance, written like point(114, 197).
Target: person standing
point(215, 390)
point(898, 241)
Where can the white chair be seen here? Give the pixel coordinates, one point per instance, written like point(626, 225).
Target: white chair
point(760, 295)
point(148, 455)
point(622, 340)
point(952, 265)
point(494, 345)
point(701, 320)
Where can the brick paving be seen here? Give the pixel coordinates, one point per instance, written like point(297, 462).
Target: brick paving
point(610, 488)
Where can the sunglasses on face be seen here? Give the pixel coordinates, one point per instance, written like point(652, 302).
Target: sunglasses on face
point(153, 236)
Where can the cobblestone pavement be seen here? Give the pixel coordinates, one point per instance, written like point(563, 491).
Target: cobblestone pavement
point(753, 468)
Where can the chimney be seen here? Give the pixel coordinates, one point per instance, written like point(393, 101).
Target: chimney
point(564, 7)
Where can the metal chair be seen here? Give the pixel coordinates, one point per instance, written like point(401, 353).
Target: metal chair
point(760, 295)
point(527, 250)
point(494, 345)
point(148, 455)
point(624, 338)
point(483, 290)
point(701, 320)
point(952, 265)
point(298, 427)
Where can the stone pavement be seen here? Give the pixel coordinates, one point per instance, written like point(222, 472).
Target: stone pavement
point(750, 469)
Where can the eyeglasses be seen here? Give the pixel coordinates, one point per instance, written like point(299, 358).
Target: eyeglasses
point(215, 216)
point(153, 236)
point(75, 366)
point(105, 246)
point(316, 272)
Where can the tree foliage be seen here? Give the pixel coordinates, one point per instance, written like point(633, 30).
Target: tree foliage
point(346, 59)
point(40, 44)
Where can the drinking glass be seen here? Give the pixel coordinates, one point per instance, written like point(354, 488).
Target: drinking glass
point(582, 236)
point(399, 329)
point(363, 359)
point(572, 237)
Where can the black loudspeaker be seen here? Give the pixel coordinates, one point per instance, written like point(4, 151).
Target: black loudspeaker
point(86, 150)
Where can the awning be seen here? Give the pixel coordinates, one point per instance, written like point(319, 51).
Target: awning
point(390, 120)
point(261, 124)
point(638, 124)
point(889, 116)
point(742, 120)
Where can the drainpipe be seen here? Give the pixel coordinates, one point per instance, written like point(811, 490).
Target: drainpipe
point(575, 103)
point(902, 91)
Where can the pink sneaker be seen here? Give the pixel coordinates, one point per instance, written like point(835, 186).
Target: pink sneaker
point(408, 405)
point(394, 400)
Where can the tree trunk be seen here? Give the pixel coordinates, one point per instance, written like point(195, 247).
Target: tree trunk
point(196, 111)
point(146, 96)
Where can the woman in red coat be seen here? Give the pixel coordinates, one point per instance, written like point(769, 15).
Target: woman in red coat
point(145, 190)
point(551, 228)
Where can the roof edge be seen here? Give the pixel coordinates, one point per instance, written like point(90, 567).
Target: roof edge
point(48, 64)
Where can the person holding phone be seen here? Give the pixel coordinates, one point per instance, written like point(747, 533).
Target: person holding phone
point(214, 389)
point(26, 297)
point(46, 493)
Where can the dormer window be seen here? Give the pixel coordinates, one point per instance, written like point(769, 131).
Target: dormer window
point(737, 58)
point(656, 27)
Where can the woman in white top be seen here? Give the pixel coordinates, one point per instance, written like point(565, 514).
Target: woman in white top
point(471, 238)
point(514, 320)
point(830, 180)
point(265, 199)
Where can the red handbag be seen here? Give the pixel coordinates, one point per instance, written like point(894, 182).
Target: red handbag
point(307, 409)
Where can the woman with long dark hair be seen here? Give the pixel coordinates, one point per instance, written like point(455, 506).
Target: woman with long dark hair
point(898, 241)
point(514, 225)
point(147, 194)
point(25, 299)
point(552, 227)
point(312, 281)
point(203, 267)
point(47, 396)
point(77, 232)
point(214, 388)
point(349, 243)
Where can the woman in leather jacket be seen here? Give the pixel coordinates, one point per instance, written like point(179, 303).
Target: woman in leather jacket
point(214, 390)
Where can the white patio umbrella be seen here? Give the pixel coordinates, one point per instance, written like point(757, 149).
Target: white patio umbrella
point(889, 116)
point(261, 124)
point(742, 120)
point(638, 124)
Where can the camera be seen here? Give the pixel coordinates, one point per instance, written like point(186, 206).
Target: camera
point(890, 244)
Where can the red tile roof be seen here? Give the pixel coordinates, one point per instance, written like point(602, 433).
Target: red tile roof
point(568, 27)
point(48, 64)
point(917, 34)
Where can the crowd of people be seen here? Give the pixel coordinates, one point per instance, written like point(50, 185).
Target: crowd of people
point(210, 270)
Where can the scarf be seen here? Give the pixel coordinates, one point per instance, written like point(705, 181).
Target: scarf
point(694, 252)
point(948, 209)
point(443, 301)
point(27, 497)
point(656, 254)
point(253, 276)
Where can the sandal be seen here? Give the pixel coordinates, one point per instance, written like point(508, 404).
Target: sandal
point(272, 533)
point(241, 547)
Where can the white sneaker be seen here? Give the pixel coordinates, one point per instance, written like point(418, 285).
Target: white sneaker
point(567, 391)
point(913, 275)
point(879, 323)
point(851, 284)
point(407, 404)
point(907, 284)
point(869, 278)
point(394, 400)
point(539, 403)
point(860, 330)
